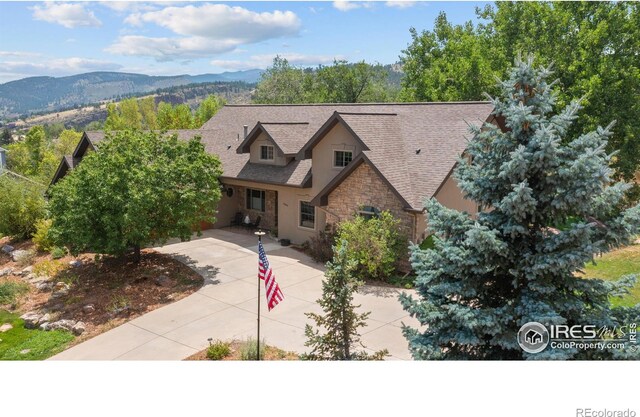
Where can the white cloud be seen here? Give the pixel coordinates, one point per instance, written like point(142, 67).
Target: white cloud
point(219, 21)
point(53, 67)
point(169, 49)
point(345, 6)
point(69, 15)
point(19, 54)
point(265, 60)
point(205, 30)
point(402, 4)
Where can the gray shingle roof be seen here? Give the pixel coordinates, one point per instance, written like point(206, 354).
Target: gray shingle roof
point(392, 132)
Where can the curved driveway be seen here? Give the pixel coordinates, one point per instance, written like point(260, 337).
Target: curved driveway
point(226, 305)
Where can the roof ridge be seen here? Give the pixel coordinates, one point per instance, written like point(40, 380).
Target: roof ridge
point(413, 103)
point(366, 114)
point(284, 123)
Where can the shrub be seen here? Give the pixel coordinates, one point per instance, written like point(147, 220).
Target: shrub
point(375, 244)
point(22, 204)
point(248, 351)
point(9, 291)
point(48, 268)
point(218, 351)
point(41, 237)
point(58, 252)
point(320, 247)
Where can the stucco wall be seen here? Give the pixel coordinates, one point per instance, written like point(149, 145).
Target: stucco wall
point(227, 207)
point(254, 151)
point(288, 209)
point(338, 139)
point(450, 196)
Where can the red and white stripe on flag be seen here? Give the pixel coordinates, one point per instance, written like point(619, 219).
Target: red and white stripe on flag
point(265, 273)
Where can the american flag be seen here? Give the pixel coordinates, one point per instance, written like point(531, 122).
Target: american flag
point(274, 295)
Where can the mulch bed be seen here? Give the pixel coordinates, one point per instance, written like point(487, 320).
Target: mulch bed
point(118, 289)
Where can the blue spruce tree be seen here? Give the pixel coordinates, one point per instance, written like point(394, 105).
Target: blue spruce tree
point(549, 205)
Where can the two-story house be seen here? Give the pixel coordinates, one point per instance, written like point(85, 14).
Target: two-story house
point(303, 167)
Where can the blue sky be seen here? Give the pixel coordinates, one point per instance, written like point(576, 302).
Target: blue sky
point(169, 38)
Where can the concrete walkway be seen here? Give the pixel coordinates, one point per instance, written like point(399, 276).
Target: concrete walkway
point(225, 307)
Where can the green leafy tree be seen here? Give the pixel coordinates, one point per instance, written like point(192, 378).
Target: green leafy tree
point(376, 245)
point(22, 204)
point(517, 261)
point(207, 109)
point(114, 121)
point(139, 188)
point(147, 108)
point(5, 137)
point(33, 156)
point(53, 130)
point(340, 321)
point(174, 117)
point(594, 48)
point(343, 82)
point(66, 142)
point(283, 83)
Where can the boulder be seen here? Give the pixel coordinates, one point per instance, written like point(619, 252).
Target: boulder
point(62, 325)
point(31, 319)
point(88, 309)
point(60, 293)
point(77, 263)
point(44, 286)
point(78, 328)
point(61, 286)
point(6, 271)
point(28, 270)
point(163, 281)
point(45, 318)
point(7, 249)
point(16, 255)
point(5, 327)
point(45, 326)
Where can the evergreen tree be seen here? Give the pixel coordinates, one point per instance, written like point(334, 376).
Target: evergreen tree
point(550, 206)
point(340, 321)
point(5, 137)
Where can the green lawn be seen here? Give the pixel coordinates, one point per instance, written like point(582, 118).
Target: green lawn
point(41, 344)
point(613, 265)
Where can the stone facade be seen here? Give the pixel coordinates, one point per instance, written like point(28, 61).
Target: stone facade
point(269, 220)
point(364, 187)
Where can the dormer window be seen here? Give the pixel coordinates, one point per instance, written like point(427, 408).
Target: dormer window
point(266, 153)
point(342, 158)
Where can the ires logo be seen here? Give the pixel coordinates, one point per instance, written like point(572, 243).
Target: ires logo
point(577, 332)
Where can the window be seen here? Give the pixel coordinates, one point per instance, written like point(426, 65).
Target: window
point(266, 152)
point(307, 215)
point(368, 212)
point(342, 158)
point(255, 199)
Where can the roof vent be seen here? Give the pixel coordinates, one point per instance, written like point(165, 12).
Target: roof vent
point(228, 147)
point(238, 138)
point(246, 131)
point(418, 151)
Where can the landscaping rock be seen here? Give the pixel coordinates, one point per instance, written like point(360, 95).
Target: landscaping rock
point(56, 307)
point(76, 263)
point(88, 309)
point(28, 270)
point(6, 271)
point(5, 327)
point(60, 289)
point(60, 293)
point(78, 328)
point(45, 318)
point(62, 325)
point(16, 255)
point(163, 281)
point(45, 326)
point(7, 249)
point(31, 319)
point(44, 286)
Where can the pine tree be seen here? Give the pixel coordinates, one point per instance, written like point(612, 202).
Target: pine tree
point(549, 207)
point(340, 319)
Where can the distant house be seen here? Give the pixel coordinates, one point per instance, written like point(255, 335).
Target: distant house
point(3, 159)
point(302, 168)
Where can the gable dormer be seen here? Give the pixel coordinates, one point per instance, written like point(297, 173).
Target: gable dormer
point(274, 143)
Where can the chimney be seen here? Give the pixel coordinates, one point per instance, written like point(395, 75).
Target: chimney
point(246, 131)
point(3, 159)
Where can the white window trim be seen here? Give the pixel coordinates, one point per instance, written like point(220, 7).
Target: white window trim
point(273, 153)
point(315, 217)
point(333, 157)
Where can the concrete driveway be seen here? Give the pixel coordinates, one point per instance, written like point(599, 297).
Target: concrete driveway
point(225, 307)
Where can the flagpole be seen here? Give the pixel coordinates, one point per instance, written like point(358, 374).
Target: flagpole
point(259, 233)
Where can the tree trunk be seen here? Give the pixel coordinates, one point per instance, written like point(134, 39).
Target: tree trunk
point(136, 254)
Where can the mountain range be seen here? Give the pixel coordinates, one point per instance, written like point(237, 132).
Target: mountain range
point(38, 94)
